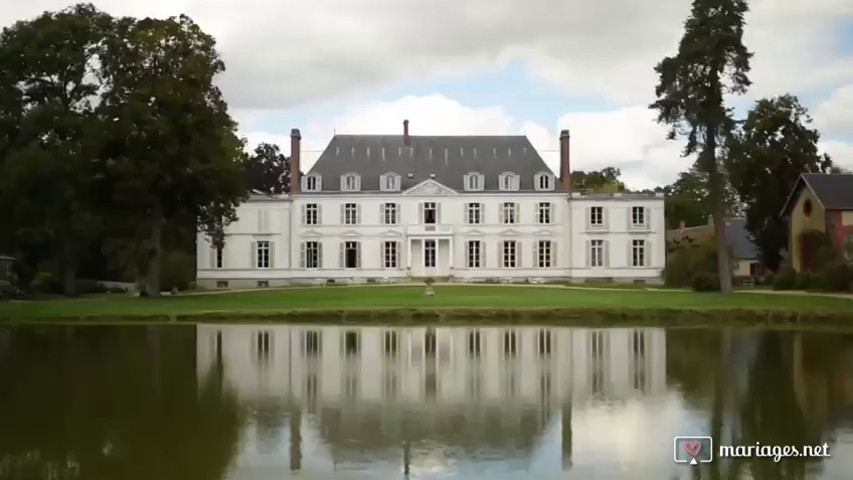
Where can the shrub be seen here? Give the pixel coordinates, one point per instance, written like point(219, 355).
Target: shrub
point(705, 282)
point(784, 279)
point(807, 281)
point(684, 263)
point(429, 281)
point(177, 270)
point(86, 286)
point(835, 277)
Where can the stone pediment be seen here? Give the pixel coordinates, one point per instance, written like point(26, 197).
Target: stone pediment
point(311, 234)
point(544, 233)
point(390, 233)
point(430, 188)
point(350, 233)
point(473, 232)
point(509, 232)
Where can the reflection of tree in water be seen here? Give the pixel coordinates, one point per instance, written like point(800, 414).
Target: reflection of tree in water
point(89, 403)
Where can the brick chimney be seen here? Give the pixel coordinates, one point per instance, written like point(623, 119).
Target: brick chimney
point(565, 162)
point(406, 133)
point(295, 154)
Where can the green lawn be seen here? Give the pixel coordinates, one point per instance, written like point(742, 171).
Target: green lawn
point(336, 298)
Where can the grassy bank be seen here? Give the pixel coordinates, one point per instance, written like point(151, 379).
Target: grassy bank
point(451, 303)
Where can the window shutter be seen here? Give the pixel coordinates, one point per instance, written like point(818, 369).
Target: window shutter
point(272, 255)
point(629, 218)
point(398, 212)
point(482, 254)
point(518, 249)
point(437, 212)
point(630, 258)
point(303, 253)
point(588, 219)
point(554, 256)
point(212, 257)
point(605, 222)
point(399, 254)
point(358, 214)
point(647, 254)
point(421, 213)
point(341, 256)
point(319, 214)
point(357, 254)
point(501, 213)
point(382, 214)
point(304, 214)
point(606, 250)
point(588, 249)
point(319, 254)
point(553, 217)
point(536, 253)
point(482, 218)
point(343, 213)
point(647, 217)
point(253, 255)
point(517, 208)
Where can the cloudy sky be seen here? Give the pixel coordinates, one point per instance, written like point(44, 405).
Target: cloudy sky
point(493, 67)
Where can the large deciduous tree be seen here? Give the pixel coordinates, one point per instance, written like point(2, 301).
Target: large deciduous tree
point(48, 135)
point(173, 155)
point(765, 157)
point(711, 61)
point(267, 170)
point(686, 199)
point(605, 180)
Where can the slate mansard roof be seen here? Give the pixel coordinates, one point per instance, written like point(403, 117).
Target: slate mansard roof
point(448, 157)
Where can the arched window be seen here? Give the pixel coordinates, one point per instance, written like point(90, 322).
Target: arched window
point(508, 181)
point(350, 182)
point(473, 182)
point(311, 183)
point(389, 182)
point(543, 181)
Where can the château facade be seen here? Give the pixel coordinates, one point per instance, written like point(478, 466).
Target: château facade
point(393, 208)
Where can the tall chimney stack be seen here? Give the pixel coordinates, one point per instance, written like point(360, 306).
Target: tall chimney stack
point(565, 161)
point(406, 133)
point(295, 154)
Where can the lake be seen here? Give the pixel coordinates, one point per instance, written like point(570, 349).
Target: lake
point(239, 402)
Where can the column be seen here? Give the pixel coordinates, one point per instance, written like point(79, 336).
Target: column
point(423, 251)
point(409, 253)
point(450, 244)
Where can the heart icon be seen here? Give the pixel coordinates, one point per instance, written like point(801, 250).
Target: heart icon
point(692, 448)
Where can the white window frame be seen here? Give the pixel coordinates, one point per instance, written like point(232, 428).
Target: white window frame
point(318, 252)
point(390, 254)
point(350, 214)
point(312, 183)
point(389, 213)
point(312, 214)
point(262, 254)
point(218, 258)
point(596, 221)
point(347, 245)
point(474, 254)
point(639, 253)
point(473, 213)
point(545, 213)
point(474, 182)
point(508, 182)
point(350, 182)
point(596, 253)
point(390, 182)
point(509, 254)
point(543, 182)
point(509, 213)
point(430, 253)
point(545, 253)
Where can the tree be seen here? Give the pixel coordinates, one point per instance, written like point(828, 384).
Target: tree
point(50, 77)
point(686, 199)
point(267, 170)
point(173, 155)
point(711, 61)
point(765, 157)
point(605, 180)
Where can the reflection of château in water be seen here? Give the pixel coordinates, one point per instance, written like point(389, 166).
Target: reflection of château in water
point(377, 388)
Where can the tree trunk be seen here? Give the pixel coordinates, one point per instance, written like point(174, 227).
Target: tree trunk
point(68, 271)
point(716, 192)
point(152, 275)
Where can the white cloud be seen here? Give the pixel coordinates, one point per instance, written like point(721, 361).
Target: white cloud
point(626, 138)
point(835, 114)
point(840, 152)
point(281, 54)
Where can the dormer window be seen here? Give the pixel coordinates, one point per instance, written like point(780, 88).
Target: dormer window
point(350, 182)
point(474, 182)
point(312, 183)
point(543, 181)
point(508, 181)
point(389, 182)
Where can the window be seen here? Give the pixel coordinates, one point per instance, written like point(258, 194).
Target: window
point(638, 360)
point(596, 253)
point(638, 216)
point(509, 213)
point(311, 183)
point(597, 356)
point(391, 343)
point(510, 254)
point(312, 345)
point(351, 255)
point(543, 343)
point(429, 253)
point(544, 254)
point(222, 284)
point(390, 254)
point(638, 253)
point(389, 213)
point(312, 214)
point(391, 384)
point(390, 182)
point(475, 254)
point(263, 254)
point(473, 213)
point(544, 212)
point(312, 254)
point(351, 182)
point(263, 283)
point(510, 343)
point(473, 182)
point(430, 214)
point(474, 343)
point(430, 342)
point(352, 343)
point(350, 214)
point(508, 181)
point(263, 346)
point(350, 381)
point(218, 259)
point(544, 181)
point(596, 216)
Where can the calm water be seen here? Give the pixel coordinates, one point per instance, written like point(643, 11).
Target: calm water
point(269, 402)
